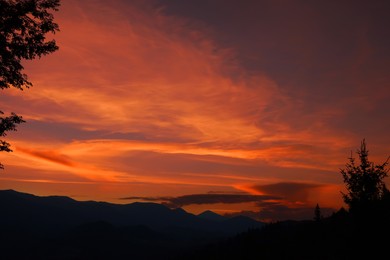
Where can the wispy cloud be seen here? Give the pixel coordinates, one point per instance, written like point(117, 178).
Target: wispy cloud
point(209, 198)
point(52, 156)
point(279, 201)
point(292, 191)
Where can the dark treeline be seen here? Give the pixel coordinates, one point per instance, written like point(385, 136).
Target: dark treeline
point(341, 236)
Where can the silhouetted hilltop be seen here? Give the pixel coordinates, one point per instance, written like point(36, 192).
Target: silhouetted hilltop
point(208, 214)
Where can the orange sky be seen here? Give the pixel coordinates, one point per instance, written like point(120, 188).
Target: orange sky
point(160, 101)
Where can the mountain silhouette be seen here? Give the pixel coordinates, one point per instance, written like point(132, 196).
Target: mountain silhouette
point(57, 227)
point(210, 215)
point(59, 213)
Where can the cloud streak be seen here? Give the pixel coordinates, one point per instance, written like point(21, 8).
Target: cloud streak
point(209, 198)
point(51, 156)
point(279, 201)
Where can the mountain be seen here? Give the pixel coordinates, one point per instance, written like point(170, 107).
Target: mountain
point(57, 227)
point(58, 213)
point(239, 223)
point(208, 214)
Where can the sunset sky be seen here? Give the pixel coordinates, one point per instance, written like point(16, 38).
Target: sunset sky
point(225, 105)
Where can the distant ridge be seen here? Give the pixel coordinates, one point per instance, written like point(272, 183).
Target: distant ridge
point(210, 215)
point(56, 213)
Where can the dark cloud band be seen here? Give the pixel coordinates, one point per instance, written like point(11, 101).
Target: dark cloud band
point(210, 198)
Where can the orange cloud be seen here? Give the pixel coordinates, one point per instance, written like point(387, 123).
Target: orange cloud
point(144, 77)
point(145, 72)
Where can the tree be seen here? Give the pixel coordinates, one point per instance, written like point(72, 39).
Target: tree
point(23, 28)
point(317, 213)
point(8, 124)
point(364, 182)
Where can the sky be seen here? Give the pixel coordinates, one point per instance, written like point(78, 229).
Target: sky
point(240, 107)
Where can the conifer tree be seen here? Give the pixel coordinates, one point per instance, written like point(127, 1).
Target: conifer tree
point(365, 181)
point(317, 213)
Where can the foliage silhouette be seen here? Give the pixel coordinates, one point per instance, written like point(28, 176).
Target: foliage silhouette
point(336, 237)
point(317, 213)
point(364, 182)
point(23, 28)
point(8, 124)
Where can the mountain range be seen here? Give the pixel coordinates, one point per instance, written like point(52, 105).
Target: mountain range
point(58, 227)
point(57, 213)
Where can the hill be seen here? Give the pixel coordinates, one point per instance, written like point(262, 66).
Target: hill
point(54, 226)
point(343, 235)
point(208, 214)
